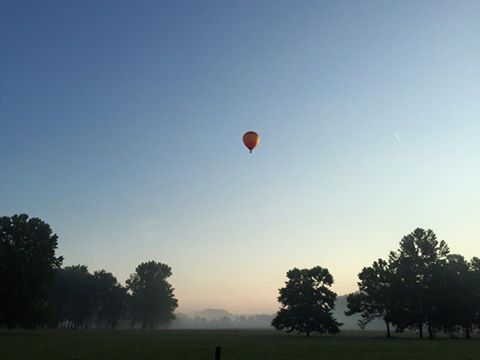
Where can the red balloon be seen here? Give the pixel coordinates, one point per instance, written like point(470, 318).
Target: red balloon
point(251, 140)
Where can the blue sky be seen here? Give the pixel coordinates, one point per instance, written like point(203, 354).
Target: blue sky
point(121, 126)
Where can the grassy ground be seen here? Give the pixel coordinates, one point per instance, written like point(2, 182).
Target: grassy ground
point(241, 344)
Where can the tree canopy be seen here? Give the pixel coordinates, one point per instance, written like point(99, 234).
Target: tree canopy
point(422, 287)
point(81, 299)
point(36, 292)
point(307, 302)
point(110, 298)
point(153, 300)
point(375, 297)
point(27, 267)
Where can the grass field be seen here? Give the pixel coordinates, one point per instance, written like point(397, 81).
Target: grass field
point(241, 344)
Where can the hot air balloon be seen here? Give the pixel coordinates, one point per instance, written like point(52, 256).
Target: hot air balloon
point(251, 139)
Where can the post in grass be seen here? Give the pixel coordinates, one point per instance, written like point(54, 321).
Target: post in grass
point(218, 352)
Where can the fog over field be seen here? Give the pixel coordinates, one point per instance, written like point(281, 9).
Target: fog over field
point(222, 319)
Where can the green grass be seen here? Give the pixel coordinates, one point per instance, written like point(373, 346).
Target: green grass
point(241, 344)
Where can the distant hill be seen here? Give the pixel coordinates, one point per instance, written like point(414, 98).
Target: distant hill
point(213, 314)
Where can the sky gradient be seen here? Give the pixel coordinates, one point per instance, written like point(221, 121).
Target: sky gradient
point(121, 126)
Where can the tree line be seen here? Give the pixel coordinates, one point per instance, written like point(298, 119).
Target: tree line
point(420, 287)
point(35, 291)
point(257, 321)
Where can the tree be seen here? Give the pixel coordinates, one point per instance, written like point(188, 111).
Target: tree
point(110, 298)
point(27, 267)
point(307, 302)
point(459, 303)
point(417, 267)
point(421, 286)
point(73, 297)
point(374, 298)
point(153, 300)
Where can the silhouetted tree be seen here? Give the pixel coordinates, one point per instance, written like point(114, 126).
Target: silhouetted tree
point(27, 268)
point(153, 300)
point(74, 297)
point(417, 266)
point(110, 298)
point(375, 298)
point(307, 302)
point(459, 302)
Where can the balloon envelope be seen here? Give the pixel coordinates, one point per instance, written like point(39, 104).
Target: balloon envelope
point(251, 139)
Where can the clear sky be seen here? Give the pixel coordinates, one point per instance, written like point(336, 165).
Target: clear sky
point(121, 126)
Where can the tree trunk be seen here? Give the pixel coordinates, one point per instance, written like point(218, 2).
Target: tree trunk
point(308, 333)
point(467, 332)
point(388, 329)
point(420, 330)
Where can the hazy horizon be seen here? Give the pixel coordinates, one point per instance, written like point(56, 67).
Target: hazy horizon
point(122, 128)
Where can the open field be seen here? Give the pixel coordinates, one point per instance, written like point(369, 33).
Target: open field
point(241, 344)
